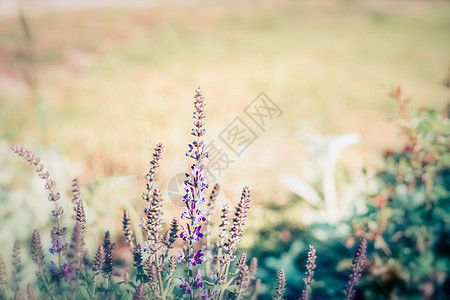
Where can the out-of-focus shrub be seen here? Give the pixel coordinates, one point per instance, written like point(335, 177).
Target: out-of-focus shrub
point(406, 222)
point(409, 219)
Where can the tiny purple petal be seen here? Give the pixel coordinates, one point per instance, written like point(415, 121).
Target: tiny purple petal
point(181, 258)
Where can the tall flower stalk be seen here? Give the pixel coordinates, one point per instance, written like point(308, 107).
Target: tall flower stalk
point(16, 277)
point(308, 280)
point(154, 225)
point(58, 242)
point(227, 256)
point(356, 270)
point(280, 288)
point(195, 186)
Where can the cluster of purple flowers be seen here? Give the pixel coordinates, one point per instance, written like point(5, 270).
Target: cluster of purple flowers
point(58, 246)
point(196, 258)
point(198, 283)
point(66, 270)
point(195, 182)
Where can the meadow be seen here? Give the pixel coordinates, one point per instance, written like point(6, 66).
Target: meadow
point(93, 91)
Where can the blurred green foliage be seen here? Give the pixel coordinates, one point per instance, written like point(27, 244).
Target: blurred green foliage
point(406, 222)
point(409, 220)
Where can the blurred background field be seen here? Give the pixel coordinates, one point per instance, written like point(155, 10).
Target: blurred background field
point(93, 90)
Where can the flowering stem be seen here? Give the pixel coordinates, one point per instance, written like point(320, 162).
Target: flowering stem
point(190, 268)
point(45, 280)
point(194, 198)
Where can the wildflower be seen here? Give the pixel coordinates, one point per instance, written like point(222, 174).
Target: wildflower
point(143, 223)
point(198, 281)
point(81, 216)
point(243, 281)
point(196, 259)
point(310, 266)
point(67, 271)
point(197, 234)
point(208, 295)
point(241, 261)
point(185, 286)
point(281, 285)
point(37, 253)
point(151, 175)
point(253, 266)
point(357, 268)
point(76, 194)
point(108, 247)
point(99, 259)
point(58, 246)
point(137, 256)
point(171, 234)
point(181, 258)
point(200, 215)
point(154, 220)
point(128, 232)
point(152, 273)
point(224, 226)
point(195, 183)
point(54, 270)
point(145, 248)
point(76, 248)
point(140, 292)
point(172, 265)
point(240, 217)
point(34, 161)
point(16, 267)
point(185, 232)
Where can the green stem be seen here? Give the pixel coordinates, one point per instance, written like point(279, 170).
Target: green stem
point(94, 284)
point(160, 282)
point(166, 289)
point(208, 247)
point(46, 284)
point(224, 286)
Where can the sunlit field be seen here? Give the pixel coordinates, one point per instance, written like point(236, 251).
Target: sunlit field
point(93, 91)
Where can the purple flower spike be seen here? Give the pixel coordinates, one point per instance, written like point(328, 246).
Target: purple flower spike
point(195, 185)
